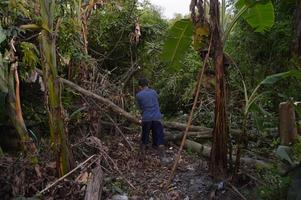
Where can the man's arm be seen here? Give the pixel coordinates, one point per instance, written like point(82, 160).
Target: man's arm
point(138, 102)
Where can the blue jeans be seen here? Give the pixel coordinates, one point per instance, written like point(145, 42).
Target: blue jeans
point(157, 132)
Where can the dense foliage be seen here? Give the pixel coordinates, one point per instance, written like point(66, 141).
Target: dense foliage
point(105, 46)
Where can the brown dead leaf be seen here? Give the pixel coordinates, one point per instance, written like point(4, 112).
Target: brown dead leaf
point(174, 195)
point(83, 178)
point(51, 165)
point(212, 195)
point(38, 171)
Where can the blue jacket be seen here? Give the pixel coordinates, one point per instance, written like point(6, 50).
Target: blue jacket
point(147, 100)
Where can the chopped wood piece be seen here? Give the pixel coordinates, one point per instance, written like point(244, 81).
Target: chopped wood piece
point(95, 184)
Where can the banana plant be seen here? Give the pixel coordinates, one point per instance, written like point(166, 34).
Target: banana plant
point(55, 109)
point(177, 44)
point(178, 41)
point(259, 14)
point(252, 98)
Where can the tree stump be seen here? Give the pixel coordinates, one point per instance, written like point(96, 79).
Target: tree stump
point(287, 124)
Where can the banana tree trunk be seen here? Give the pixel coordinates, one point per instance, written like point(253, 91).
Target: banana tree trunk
point(15, 111)
point(9, 85)
point(53, 89)
point(218, 165)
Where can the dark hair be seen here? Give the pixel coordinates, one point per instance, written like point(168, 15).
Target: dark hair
point(143, 82)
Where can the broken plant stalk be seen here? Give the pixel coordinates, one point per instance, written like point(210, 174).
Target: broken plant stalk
point(121, 133)
point(197, 92)
point(69, 173)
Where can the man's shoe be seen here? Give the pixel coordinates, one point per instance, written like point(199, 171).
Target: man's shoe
point(161, 151)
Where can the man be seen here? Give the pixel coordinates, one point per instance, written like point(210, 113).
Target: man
point(147, 100)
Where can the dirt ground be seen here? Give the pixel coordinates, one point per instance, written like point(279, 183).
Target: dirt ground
point(126, 174)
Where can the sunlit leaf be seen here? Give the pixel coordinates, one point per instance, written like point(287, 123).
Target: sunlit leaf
point(30, 54)
point(21, 6)
point(200, 34)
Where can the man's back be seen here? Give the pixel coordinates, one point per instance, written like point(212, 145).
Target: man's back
point(147, 100)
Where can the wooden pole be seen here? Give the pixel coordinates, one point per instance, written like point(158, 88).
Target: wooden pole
point(197, 92)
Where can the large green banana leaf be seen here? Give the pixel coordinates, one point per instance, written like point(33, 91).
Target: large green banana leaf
point(178, 40)
point(259, 13)
point(270, 80)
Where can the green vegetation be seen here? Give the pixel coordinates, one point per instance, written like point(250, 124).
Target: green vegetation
point(103, 47)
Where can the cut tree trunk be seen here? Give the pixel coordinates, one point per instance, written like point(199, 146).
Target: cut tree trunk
point(53, 89)
point(287, 124)
point(95, 184)
point(218, 164)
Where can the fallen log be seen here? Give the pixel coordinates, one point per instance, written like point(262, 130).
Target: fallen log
point(198, 148)
point(172, 136)
point(103, 100)
point(115, 108)
point(182, 127)
point(205, 151)
point(203, 133)
point(95, 184)
point(200, 129)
